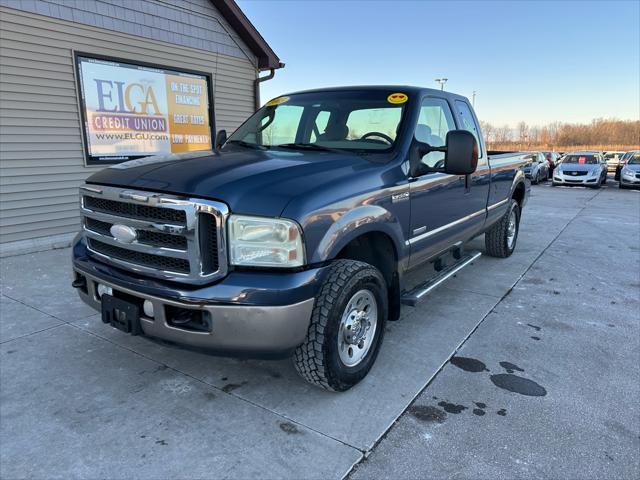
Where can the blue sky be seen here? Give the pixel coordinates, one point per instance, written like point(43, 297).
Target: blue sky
point(537, 61)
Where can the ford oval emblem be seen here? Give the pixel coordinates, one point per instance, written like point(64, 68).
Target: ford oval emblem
point(123, 233)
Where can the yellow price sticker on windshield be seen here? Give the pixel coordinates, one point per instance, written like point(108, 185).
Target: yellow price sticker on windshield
point(397, 98)
point(277, 101)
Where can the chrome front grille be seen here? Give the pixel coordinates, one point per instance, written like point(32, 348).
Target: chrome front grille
point(178, 239)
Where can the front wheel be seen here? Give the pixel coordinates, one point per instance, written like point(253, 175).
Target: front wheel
point(500, 240)
point(347, 326)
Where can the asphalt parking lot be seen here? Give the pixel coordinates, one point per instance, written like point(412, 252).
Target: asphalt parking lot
point(524, 367)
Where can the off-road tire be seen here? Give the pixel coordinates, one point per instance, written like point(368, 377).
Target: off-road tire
point(317, 360)
point(495, 239)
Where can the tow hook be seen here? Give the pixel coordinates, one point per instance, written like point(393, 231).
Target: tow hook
point(80, 282)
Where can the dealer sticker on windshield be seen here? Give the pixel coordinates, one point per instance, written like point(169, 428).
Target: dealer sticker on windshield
point(397, 98)
point(277, 101)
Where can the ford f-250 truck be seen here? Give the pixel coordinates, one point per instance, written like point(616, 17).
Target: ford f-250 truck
point(295, 235)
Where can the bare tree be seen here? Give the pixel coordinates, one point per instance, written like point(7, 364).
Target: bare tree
point(523, 133)
point(604, 134)
point(489, 131)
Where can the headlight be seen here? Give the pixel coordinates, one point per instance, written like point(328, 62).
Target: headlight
point(265, 242)
point(626, 171)
point(596, 172)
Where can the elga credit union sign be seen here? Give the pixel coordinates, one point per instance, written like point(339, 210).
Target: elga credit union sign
point(131, 111)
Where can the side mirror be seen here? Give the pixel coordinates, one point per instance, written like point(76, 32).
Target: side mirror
point(221, 138)
point(460, 154)
point(461, 157)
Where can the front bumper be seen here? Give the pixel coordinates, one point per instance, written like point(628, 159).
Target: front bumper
point(585, 180)
point(250, 313)
point(629, 181)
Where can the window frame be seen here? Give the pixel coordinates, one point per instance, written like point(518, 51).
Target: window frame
point(474, 119)
point(445, 100)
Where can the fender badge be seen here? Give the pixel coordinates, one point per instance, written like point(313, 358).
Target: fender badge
point(399, 197)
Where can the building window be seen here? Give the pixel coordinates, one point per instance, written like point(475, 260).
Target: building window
point(132, 110)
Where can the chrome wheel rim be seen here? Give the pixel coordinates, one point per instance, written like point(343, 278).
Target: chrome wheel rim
point(511, 229)
point(357, 328)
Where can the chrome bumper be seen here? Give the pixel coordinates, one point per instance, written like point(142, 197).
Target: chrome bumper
point(234, 328)
point(575, 180)
point(624, 180)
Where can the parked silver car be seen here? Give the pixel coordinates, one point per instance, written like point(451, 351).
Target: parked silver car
point(538, 169)
point(581, 168)
point(630, 173)
point(613, 159)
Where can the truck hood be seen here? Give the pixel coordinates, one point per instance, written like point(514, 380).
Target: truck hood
point(250, 182)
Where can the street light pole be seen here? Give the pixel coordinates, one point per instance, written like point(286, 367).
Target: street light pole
point(441, 81)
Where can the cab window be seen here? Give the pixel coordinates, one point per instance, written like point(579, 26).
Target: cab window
point(320, 124)
point(282, 128)
point(434, 122)
point(468, 123)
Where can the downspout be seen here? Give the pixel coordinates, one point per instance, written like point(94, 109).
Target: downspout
point(256, 86)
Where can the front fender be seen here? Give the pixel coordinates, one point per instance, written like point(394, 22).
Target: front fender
point(354, 223)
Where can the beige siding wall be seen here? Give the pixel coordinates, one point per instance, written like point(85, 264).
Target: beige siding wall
point(41, 152)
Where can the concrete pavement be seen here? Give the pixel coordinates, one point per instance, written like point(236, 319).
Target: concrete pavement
point(79, 399)
point(548, 384)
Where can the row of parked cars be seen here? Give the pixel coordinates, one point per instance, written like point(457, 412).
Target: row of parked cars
point(588, 168)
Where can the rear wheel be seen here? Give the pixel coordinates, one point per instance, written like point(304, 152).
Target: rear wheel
point(347, 326)
point(500, 240)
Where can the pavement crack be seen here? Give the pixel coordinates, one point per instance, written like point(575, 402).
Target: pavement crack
point(466, 338)
point(219, 389)
point(38, 310)
point(33, 333)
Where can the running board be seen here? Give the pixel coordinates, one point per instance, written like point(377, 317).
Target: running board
point(414, 296)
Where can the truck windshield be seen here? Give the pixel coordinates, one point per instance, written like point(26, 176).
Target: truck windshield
point(346, 120)
point(582, 159)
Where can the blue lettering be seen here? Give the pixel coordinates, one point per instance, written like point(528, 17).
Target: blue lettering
point(102, 95)
point(120, 97)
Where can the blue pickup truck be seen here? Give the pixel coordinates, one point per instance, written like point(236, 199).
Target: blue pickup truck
point(295, 235)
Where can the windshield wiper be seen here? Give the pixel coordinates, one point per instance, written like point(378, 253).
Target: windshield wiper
point(306, 146)
point(242, 143)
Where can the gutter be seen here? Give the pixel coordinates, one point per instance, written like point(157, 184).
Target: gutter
point(259, 80)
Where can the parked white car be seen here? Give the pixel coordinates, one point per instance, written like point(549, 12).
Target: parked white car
point(581, 168)
point(630, 173)
point(613, 159)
